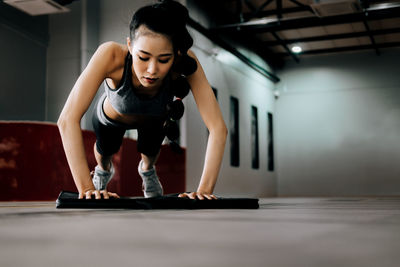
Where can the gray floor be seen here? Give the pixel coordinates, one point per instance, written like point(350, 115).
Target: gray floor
point(283, 232)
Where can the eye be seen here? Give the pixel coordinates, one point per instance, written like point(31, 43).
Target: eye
point(143, 58)
point(164, 61)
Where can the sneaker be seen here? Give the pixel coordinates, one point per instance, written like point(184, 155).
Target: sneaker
point(101, 177)
point(151, 184)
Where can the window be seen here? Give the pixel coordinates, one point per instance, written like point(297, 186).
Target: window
point(255, 161)
point(234, 131)
point(270, 143)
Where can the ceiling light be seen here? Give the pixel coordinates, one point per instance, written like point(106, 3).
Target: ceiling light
point(296, 49)
point(38, 7)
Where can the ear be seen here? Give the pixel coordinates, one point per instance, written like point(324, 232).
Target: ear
point(129, 44)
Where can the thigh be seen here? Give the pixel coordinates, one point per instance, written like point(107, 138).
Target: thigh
point(108, 137)
point(150, 138)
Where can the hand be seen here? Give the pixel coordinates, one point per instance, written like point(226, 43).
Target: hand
point(97, 193)
point(199, 195)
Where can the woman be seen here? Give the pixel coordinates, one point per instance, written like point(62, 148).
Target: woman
point(142, 79)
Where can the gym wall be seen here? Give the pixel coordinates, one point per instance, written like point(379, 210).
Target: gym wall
point(74, 37)
point(63, 58)
point(338, 125)
point(23, 45)
point(231, 78)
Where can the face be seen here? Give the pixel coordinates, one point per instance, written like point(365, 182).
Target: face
point(152, 57)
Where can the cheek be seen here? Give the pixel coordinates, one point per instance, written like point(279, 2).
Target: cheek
point(139, 66)
point(164, 68)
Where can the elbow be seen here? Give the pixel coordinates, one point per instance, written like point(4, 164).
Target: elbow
point(63, 123)
point(62, 120)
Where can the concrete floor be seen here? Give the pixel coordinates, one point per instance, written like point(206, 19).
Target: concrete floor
point(283, 232)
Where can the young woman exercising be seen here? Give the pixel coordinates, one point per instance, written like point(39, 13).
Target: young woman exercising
point(145, 81)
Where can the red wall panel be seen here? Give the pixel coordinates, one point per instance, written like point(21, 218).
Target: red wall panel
point(33, 165)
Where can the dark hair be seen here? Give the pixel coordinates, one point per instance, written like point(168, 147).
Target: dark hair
point(180, 89)
point(170, 18)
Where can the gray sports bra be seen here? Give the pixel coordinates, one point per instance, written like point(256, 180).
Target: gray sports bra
point(124, 100)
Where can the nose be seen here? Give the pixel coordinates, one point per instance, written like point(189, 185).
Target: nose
point(152, 67)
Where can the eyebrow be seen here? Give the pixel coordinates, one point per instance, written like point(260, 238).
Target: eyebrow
point(161, 55)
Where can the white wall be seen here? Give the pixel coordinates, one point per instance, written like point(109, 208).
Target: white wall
point(338, 126)
point(230, 77)
point(244, 85)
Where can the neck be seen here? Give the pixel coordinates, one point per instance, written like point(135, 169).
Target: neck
point(140, 89)
point(135, 81)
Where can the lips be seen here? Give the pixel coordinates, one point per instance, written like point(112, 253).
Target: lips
point(150, 80)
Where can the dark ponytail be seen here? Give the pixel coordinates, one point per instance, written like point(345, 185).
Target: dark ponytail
point(180, 89)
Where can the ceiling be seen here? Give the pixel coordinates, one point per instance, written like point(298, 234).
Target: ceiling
point(272, 27)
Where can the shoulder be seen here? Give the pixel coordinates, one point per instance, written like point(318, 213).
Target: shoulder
point(198, 70)
point(112, 54)
point(111, 48)
point(193, 55)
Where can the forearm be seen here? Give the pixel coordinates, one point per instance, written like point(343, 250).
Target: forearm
point(213, 159)
point(72, 139)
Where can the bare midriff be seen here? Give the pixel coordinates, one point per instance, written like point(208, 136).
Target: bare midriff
point(134, 120)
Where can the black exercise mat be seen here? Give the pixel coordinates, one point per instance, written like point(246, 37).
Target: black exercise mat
point(69, 200)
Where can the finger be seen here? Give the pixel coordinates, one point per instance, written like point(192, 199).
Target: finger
point(105, 194)
point(208, 197)
point(213, 197)
point(192, 195)
point(113, 195)
point(88, 194)
point(200, 196)
point(97, 194)
point(184, 195)
point(80, 195)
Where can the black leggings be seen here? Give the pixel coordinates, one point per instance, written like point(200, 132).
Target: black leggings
point(109, 136)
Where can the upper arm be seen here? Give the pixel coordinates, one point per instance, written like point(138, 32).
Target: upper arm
point(205, 98)
point(89, 81)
